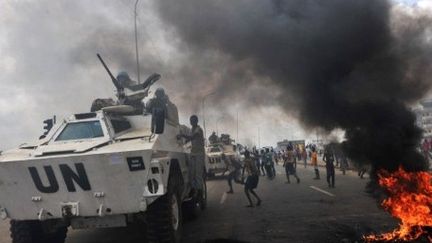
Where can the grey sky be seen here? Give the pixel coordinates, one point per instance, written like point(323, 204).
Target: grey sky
point(48, 66)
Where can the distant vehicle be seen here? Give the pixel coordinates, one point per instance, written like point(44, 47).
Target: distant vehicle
point(215, 162)
point(112, 167)
point(219, 153)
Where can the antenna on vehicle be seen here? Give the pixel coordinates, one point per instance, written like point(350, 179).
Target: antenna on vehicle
point(136, 43)
point(119, 87)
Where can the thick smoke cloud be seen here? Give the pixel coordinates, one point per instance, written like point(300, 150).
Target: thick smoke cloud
point(347, 64)
point(48, 66)
point(329, 63)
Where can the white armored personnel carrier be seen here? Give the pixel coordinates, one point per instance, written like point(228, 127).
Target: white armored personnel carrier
point(216, 160)
point(112, 167)
point(221, 155)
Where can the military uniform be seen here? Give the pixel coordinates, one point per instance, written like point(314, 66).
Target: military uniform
point(213, 139)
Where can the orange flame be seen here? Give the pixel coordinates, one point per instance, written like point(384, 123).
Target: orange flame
point(410, 200)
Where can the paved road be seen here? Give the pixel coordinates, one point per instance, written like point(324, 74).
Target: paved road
point(305, 212)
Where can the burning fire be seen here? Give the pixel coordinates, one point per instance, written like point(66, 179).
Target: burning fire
point(410, 200)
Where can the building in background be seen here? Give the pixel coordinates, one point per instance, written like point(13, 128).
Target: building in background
point(282, 145)
point(424, 117)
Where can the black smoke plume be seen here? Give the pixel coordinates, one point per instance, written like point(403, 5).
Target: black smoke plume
point(348, 64)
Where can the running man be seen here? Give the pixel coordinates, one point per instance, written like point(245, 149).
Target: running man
point(251, 180)
point(328, 158)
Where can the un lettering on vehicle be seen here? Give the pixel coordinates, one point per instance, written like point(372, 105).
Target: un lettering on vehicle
point(71, 177)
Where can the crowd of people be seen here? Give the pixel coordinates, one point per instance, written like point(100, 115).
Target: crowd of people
point(262, 162)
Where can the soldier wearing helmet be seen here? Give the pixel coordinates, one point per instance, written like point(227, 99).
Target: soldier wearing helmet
point(157, 102)
point(161, 101)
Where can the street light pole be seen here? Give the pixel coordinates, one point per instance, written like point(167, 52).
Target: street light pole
point(259, 138)
point(217, 124)
point(237, 139)
point(136, 44)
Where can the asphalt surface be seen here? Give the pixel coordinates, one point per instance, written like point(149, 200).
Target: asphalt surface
point(305, 212)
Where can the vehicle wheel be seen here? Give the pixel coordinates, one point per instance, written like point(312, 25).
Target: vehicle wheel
point(193, 207)
point(33, 232)
point(164, 216)
point(59, 236)
point(203, 195)
point(210, 175)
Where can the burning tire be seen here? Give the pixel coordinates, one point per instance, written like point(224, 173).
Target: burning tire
point(33, 232)
point(164, 216)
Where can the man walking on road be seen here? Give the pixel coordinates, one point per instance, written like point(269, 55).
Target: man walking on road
point(256, 157)
point(304, 156)
point(328, 158)
point(234, 171)
point(263, 159)
point(251, 180)
point(314, 161)
point(290, 164)
point(197, 157)
point(269, 164)
point(343, 163)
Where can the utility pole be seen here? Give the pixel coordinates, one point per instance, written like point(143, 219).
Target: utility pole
point(237, 139)
point(259, 138)
point(136, 43)
point(217, 124)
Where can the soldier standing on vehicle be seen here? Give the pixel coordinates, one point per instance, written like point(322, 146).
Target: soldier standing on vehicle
point(252, 179)
point(213, 138)
point(157, 102)
point(197, 156)
point(328, 158)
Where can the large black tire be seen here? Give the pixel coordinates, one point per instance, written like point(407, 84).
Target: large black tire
point(33, 232)
point(164, 216)
point(210, 175)
point(193, 207)
point(203, 195)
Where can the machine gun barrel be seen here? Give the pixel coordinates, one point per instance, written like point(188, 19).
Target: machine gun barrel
point(114, 80)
